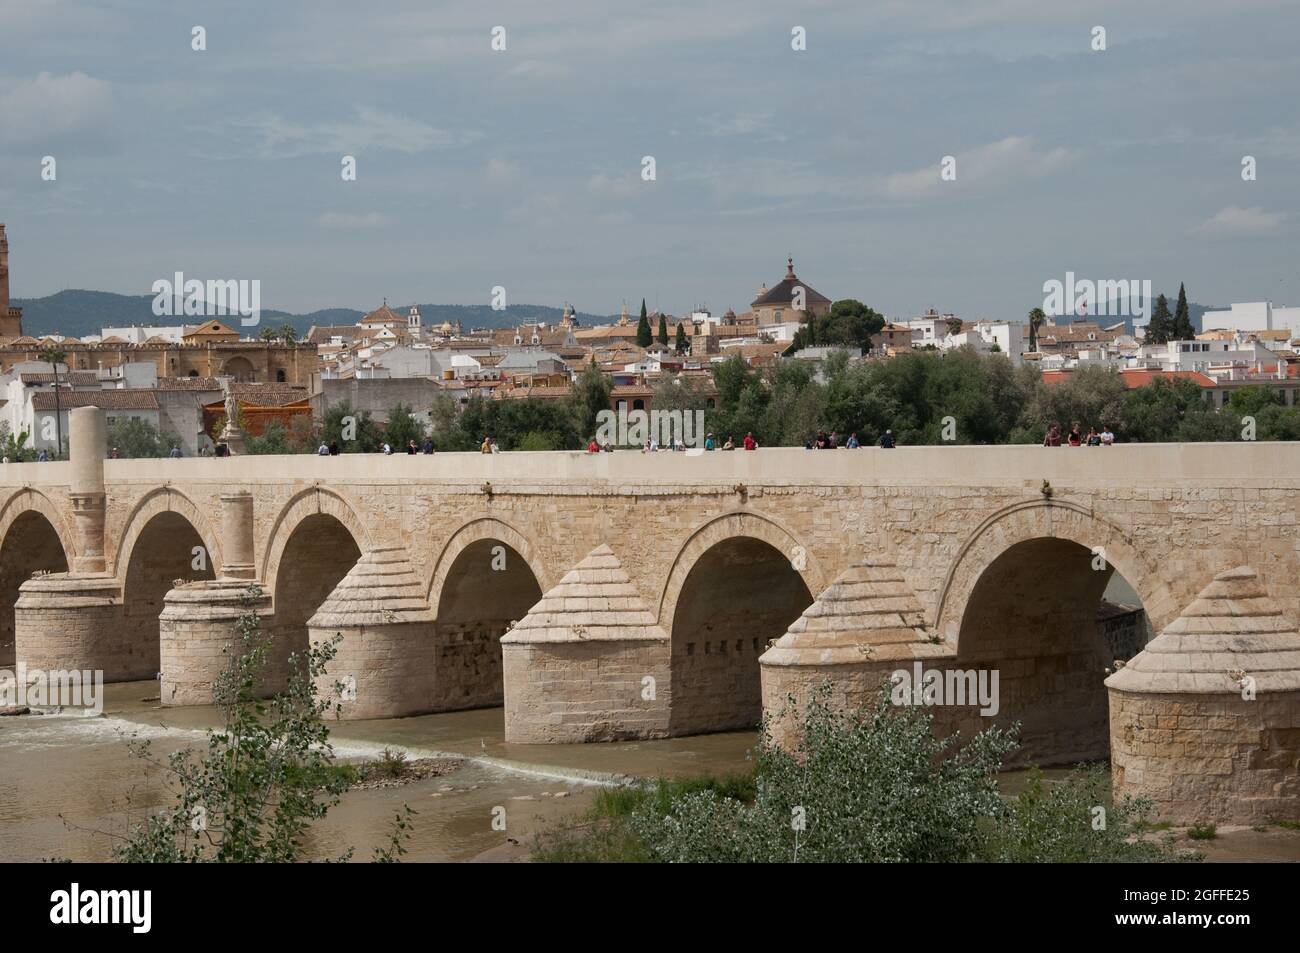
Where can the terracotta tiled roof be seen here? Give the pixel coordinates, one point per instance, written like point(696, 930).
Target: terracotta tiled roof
point(269, 394)
point(1134, 379)
point(66, 377)
point(189, 383)
point(108, 399)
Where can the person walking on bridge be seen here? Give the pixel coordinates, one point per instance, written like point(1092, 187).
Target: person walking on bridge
point(887, 440)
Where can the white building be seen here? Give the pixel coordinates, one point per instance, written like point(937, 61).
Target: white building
point(990, 337)
point(1253, 316)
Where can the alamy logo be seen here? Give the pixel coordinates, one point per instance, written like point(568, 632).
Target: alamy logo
point(668, 428)
point(53, 689)
point(75, 906)
point(221, 298)
point(946, 687)
point(1125, 297)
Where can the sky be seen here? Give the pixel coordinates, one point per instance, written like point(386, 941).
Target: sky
point(523, 168)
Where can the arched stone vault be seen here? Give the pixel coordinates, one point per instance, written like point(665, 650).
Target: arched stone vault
point(310, 502)
point(166, 499)
point(1048, 519)
point(483, 528)
point(738, 523)
point(28, 499)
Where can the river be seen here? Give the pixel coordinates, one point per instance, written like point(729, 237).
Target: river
point(69, 784)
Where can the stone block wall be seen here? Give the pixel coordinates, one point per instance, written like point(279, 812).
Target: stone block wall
point(573, 692)
point(468, 659)
point(1208, 759)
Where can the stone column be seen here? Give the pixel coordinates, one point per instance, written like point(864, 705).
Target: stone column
point(70, 621)
point(237, 535)
point(86, 444)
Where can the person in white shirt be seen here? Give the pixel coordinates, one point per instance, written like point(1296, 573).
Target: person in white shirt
point(1107, 438)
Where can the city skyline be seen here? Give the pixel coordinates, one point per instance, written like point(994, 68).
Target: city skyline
point(522, 168)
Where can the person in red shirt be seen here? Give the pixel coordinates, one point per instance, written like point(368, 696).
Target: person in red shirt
point(593, 447)
point(750, 442)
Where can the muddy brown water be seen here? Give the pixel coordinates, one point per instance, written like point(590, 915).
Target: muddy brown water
point(69, 784)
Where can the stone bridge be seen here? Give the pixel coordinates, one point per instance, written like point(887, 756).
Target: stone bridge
point(627, 595)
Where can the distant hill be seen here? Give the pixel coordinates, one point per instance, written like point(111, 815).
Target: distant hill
point(1194, 311)
point(78, 313)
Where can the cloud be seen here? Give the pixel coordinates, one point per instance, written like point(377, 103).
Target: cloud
point(1235, 220)
point(369, 129)
point(51, 107)
point(610, 187)
point(985, 167)
point(745, 124)
point(501, 171)
point(347, 220)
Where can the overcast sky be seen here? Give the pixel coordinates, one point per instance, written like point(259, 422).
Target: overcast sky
point(523, 168)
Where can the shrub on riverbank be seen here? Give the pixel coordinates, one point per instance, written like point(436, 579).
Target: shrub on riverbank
point(868, 786)
point(265, 776)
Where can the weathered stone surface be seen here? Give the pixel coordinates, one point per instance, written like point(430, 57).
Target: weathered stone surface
point(197, 631)
point(588, 662)
point(1205, 721)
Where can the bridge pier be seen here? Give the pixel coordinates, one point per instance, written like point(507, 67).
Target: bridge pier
point(866, 625)
point(1205, 721)
point(72, 620)
point(197, 625)
point(386, 657)
point(588, 662)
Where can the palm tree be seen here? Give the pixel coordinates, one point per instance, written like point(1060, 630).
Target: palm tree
point(1036, 320)
point(269, 334)
point(54, 356)
point(287, 334)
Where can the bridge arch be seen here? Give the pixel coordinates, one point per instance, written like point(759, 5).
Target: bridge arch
point(737, 524)
point(1048, 519)
point(158, 545)
point(1021, 601)
point(477, 530)
point(736, 584)
point(165, 499)
point(312, 501)
point(486, 578)
point(33, 538)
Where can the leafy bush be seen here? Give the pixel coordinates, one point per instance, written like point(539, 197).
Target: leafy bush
point(265, 776)
point(865, 786)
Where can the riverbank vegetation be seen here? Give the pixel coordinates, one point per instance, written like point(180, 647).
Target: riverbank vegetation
point(253, 792)
point(866, 787)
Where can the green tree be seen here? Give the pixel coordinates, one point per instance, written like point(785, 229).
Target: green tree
point(681, 344)
point(136, 438)
point(1182, 327)
point(54, 355)
point(402, 428)
point(354, 431)
point(274, 440)
point(252, 793)
point(662, 336)
point(1036, 320)
point(590, 395)
point(13, 447)
point(1161, 326)
point(849, 323)
point(643, 334)
point(287, 334)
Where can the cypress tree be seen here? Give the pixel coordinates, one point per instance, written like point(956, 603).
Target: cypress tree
point(1161, 325)
point(663, 330)
point(1183, 330)
point(681, 339)
point(643, 337)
